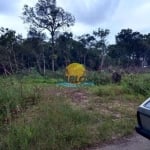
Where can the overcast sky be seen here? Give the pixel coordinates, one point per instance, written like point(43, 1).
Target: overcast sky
point(90, 14)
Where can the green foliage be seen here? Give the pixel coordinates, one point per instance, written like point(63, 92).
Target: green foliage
point(36, 78)
point(46, 15)
point(138, 84)
point(15, 95)
point(108, 90)
point(58, 126)
point(99, 78)
point(132, 88)
point(115, 128)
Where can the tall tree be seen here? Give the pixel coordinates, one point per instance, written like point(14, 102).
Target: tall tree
point(87, 41)
point(37, 41)
point(64, 44)
point(46, 15)
point(146, 39)
point(101, 44)
point(132, 46)
point(8, 39)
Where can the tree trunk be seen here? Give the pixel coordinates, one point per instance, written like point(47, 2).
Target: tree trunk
point(84, 61)
point(14, 55)
point(44, 67)
point(43, 63)
point(10, 64)
point(5, 70)
point(38, 65)
point(102, 62)
point(103, 55)
point(67, 61)
point(15, 60)
point(53, 52)
point(53, 64)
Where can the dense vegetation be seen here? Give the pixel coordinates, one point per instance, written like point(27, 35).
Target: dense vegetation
point(37, 114)
point(22, 55)
point(43, 52)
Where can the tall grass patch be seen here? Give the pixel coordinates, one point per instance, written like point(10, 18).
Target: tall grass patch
point(15, 96)
point(113, 129)
point(99, 78)
point(137, 84)
point(58, 126)
point(108, 90)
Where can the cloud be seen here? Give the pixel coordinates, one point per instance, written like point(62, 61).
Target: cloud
point(91, 12)
point(14, 7)
point(8, 7)
point(10, 15)
point(133, 15)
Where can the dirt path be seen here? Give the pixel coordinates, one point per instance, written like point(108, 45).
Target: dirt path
point(136, 142)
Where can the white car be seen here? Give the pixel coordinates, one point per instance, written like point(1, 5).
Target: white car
point(143, 119)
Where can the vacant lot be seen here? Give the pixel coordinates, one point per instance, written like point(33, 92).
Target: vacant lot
point(35, 113)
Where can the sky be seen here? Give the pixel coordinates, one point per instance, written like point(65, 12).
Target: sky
point(89, 14)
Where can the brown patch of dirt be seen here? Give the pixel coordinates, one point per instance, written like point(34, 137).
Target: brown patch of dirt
point(77, 96)
point(85, 99)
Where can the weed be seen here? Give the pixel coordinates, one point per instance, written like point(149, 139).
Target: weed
point(58, 126)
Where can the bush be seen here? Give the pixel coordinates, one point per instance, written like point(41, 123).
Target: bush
point(116, 77)
point(99, 78)
point(139, 84)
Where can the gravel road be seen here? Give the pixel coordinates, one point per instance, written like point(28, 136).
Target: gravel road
point(136, 142)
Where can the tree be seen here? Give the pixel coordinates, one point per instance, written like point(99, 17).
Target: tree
point(146, 39)
point(76, 51)
point(8, 40)
point(132, 47)
point(101, 44)
point(114, 53)
point(87, 41)
point(36, 39)
point(64, 44)
point(46, 15)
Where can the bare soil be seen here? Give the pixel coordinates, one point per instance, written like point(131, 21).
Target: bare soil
point(135, 142)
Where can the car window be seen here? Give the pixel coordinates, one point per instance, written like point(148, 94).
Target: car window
point(147, 105)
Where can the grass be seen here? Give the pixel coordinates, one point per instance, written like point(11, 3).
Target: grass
point(16, 95)
point(114, 129)
point(57, 126)
point(67, 118)
point(99, 78)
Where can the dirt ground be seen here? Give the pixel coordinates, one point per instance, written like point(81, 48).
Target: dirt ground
point(136, 142)
point(81, 98)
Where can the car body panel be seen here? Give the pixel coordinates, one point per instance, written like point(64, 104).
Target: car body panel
point(143, 119)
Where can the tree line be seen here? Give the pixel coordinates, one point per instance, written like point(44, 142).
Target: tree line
point(58, 49)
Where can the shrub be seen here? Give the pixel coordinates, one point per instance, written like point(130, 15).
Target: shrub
point(99, 78)
point(139, 84)
point(116, 77)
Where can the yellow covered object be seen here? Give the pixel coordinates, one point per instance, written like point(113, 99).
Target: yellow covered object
point(75, 73)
